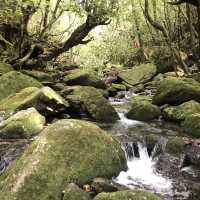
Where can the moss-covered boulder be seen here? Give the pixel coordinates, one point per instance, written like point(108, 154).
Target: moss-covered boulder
point(23, 124)
point(127, 195)
point(139, 74)
point(175, 91)
point(39, 75)
point(45, 100)
point(91, 101)
point(115, 88)
point(191, 125)
point(142, 109)
point(73, 192)
point(5, 68)
point(12, 82)
point(68, 151)
point(84, 78)
point(179, 113)
point(175, 145)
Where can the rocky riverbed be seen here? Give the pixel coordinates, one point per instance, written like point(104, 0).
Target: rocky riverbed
point(63, 139)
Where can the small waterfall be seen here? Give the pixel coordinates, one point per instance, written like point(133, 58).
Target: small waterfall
point(141, 170)
point(125, 121)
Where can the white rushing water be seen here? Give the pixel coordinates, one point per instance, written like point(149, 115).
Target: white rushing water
point(141, 173)
point(125, 121)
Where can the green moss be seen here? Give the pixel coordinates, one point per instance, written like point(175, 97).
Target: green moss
point(23, 124)
point(175, 91)
point(143, 110)
point(191, 125)
point(5, 68)
point(175, 145)
point(92, 100)
point(12, 82)
point(118, 87)
point(127, 195)
point(151, 139)
point(45, 100)
point(179, 113)
point(39, 75)
point(139, 74)
point(73, 192)
point(65, 152)
point(84, 78)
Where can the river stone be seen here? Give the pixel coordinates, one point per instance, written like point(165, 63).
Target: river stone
point(175, 145)
point(73, 192)
point(84, 78)
point(92, 101)
point(142, 109)
point(179, 113)
point(12, 82)
point(68, 151)
point(139, 74)
point(191, 125)
point(45, 100)
point(127, 195)
point(39, 75)
point(23, 124)
point(175, 91)
point(5, 68)
point(193, 155)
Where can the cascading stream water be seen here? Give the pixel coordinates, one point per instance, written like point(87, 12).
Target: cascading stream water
point(141, 171)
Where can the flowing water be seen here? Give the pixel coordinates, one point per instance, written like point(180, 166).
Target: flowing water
point(151, 169)
point(141, 171)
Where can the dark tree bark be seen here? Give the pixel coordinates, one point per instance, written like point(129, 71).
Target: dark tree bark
point(76, 38)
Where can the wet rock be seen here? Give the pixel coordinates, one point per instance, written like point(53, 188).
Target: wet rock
point(175, 91)
point(5, 68)
point(179, 113)
point(139, 74)
point(73, 192)
point(84, 78)
point(23, 124)
point(45, 100)
point(142, 109)
point(151, 140)
point(65, 152)
point(103, 185)
point(191, 125)
point(192, 155)
point(127, 195)
point(12, 82)
point(175, 146)
point(92, 101)
point(115, 88)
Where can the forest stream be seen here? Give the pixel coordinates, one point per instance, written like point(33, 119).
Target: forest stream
point(150, 168)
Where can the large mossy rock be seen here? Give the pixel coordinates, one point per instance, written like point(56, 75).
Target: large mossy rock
point(175, 91)
point(45, 100)
point(23, 124)
point(139, 74)
point(175, 145)
point(179, 113)
point(127, 195)
point(142, 109)
point(5, 68)
point(12, 82)
point(68, 151)
point(191, 125)
point(84, 78)
point(39, 75)
point(92, 101)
